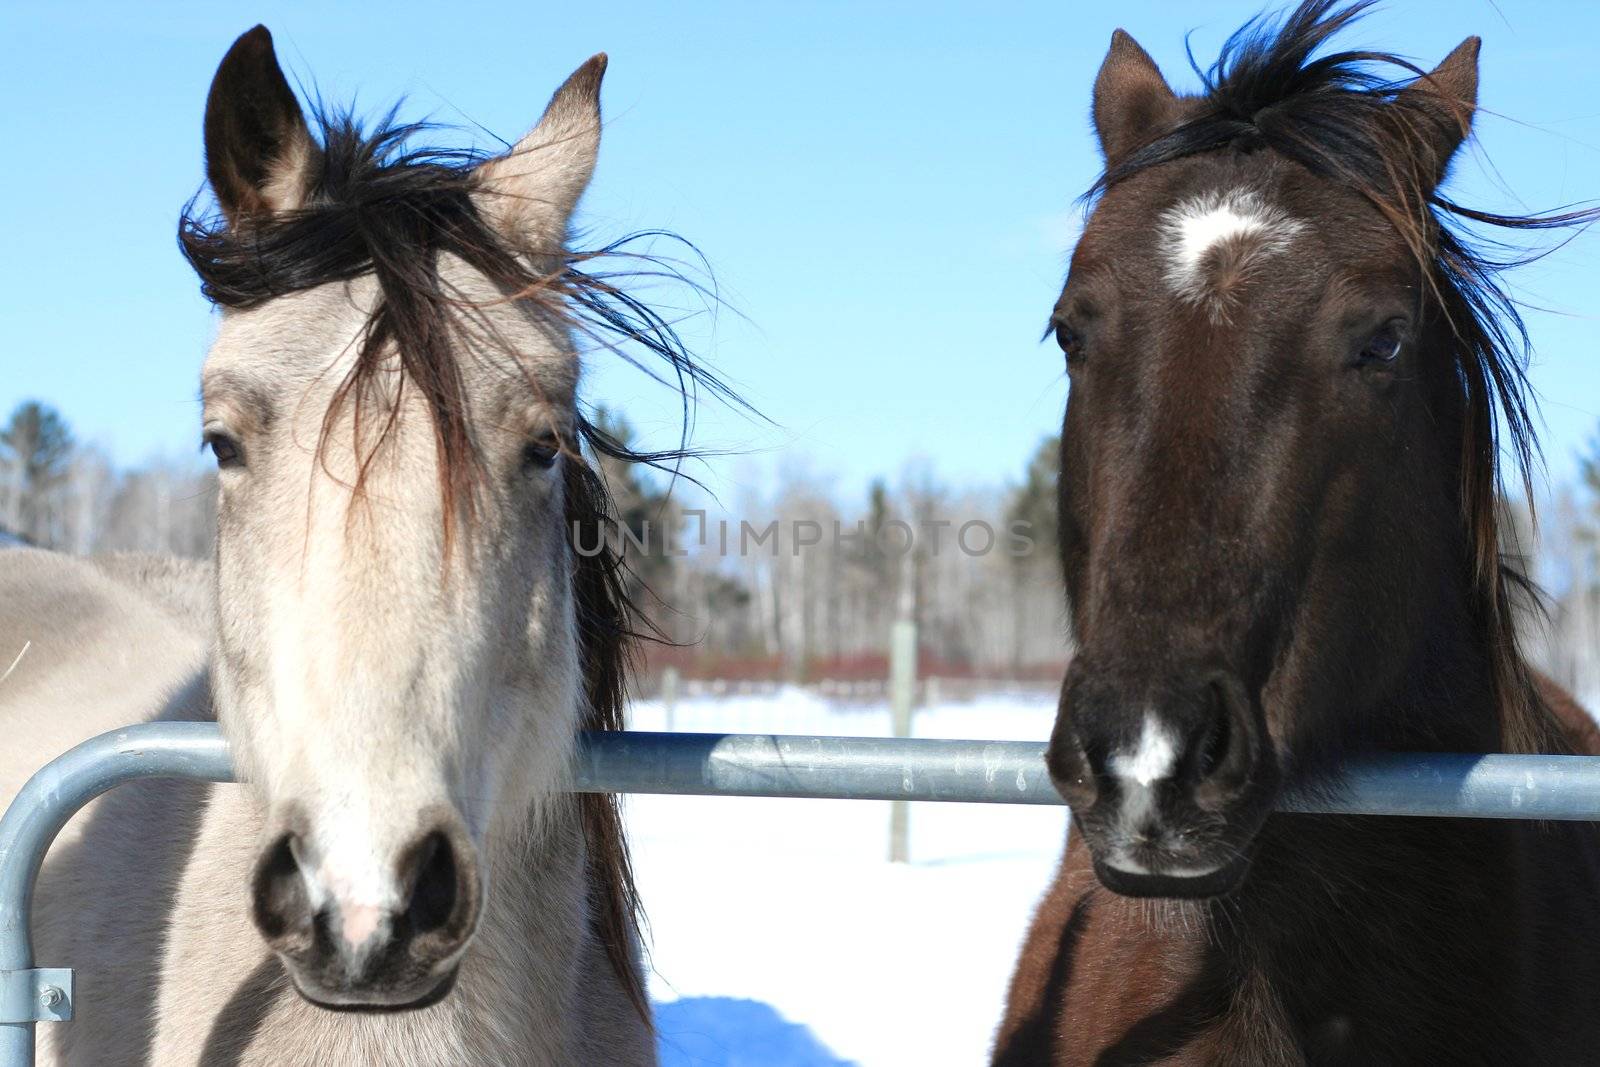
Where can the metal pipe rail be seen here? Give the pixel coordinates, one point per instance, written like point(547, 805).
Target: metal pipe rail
point(1013, 772)
point(30, 995)
point(763, 765)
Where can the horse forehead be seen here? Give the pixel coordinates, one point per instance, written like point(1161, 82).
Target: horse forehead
point(295, 336)
point(1210, 241)
point(303, 345)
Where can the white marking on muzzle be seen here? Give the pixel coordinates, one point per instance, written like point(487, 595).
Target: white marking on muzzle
point(1153, 759)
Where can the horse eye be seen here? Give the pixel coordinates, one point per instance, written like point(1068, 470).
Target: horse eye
point(540, 454)
point(224, 448)
point(1385, 345)
point(1070, 340)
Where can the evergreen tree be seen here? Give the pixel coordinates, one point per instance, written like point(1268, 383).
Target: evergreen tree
point(37, 448)
point(1034, 501)
point(1588, 529)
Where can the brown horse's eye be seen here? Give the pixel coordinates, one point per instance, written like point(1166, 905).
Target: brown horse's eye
point(1071, 342)
point(224, 448)
point(1384, 346)
point(540, 455)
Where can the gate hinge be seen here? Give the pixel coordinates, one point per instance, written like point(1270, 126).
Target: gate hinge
point(39, 995)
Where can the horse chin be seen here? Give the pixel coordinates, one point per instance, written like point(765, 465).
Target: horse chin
point(1180, 886)
point(378, 1002)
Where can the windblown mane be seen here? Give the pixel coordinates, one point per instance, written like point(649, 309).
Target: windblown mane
point(1343, 117)
point(378, 206)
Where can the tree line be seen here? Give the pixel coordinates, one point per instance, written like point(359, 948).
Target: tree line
point(794, 581)
point(58, 493)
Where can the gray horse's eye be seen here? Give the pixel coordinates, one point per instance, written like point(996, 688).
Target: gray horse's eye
point(541, 454)
point(224, 448)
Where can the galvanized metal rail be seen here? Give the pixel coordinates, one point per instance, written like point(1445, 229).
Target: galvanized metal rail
point(1013, 772)
point(29, 994)
point(763, 765)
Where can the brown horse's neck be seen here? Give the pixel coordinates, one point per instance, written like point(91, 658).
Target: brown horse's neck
point(1368, 885)
point(1312, 878)
point(1445, 696)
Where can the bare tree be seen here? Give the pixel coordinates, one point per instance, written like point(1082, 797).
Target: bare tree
point(798, 581)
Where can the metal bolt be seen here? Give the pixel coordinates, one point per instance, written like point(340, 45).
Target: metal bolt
point(51, 996)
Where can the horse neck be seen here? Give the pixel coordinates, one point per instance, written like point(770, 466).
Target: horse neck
point(538, 921)
point(1444, 699)
point(541, 860)
point(528, 960)
point(1444, 696)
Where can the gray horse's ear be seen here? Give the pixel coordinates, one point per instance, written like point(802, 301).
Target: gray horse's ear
point(258, 149)
point(532, 189)
point(1132, 101)
point(1443, 102)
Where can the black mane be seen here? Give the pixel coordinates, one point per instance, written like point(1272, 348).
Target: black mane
point(377, 205)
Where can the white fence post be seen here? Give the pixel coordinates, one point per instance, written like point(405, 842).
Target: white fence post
point(902, 693)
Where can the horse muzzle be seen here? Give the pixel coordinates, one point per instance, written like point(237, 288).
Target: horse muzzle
point(345, 953)
point(1169, 776)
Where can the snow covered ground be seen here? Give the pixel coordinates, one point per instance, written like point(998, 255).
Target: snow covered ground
point(793, 904)
point(781, 935)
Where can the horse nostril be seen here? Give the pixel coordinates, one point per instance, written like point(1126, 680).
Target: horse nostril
point(435, 892)
point(442, 879)
point(279, 902)
point(1224, 752)
point(1072, 768)
point(1214, 741)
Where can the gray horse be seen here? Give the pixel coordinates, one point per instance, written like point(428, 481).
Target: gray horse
point(398, 636)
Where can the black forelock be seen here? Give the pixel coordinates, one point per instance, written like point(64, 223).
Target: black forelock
point(376, 204)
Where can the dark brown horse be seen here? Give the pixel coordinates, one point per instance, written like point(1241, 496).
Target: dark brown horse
point(1293, 378)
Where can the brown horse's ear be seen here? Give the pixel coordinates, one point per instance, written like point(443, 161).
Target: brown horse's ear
point(1440, 105)
point(532, 189)
point(1132, 101)
point(258, 149)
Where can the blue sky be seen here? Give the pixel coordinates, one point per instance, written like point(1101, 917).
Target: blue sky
point(886, 192)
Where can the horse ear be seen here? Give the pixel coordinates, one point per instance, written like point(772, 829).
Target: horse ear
point(1131, 98)
point(258, 149)
point(1443, 101)
point(533, 188)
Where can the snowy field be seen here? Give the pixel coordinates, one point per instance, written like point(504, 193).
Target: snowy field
point(789, 914)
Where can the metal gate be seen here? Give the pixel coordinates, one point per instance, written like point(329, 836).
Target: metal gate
point(759, 765)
